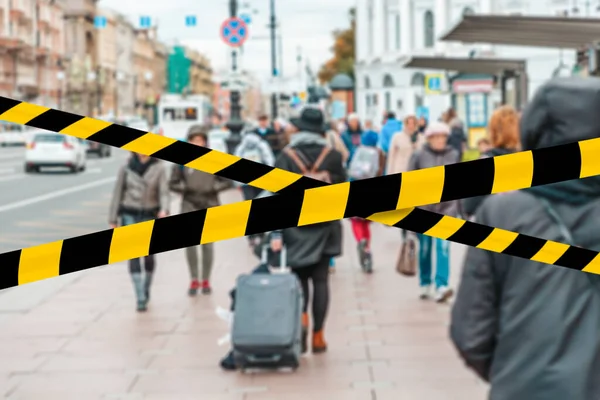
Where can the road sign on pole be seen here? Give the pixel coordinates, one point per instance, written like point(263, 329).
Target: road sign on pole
point(433, 84)
point(190, 20)
point(99, 22)
point(247, 18)
point(234, 32)
point(145, 22)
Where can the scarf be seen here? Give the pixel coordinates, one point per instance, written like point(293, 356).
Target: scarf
point(139, 167)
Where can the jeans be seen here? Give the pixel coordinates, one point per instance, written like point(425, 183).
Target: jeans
point(135, 265)
point(442, 253)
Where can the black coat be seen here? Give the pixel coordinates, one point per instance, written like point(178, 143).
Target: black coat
point(307, 245)
point(275, 139)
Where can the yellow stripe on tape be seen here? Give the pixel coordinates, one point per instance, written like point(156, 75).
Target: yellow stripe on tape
point(40, 262)
point(513, 171)
point(85, 127)
point(550, 252)
point(498, 240)
point(594, 266)
point(447, 227)
point(23, 113)
point(423, 186)
point(148, 144)
point(590, 158)
point(391, 218)
point(225, 222)
point(275, 180)
point(324, 204)
point(213, 162)
point(130, 241)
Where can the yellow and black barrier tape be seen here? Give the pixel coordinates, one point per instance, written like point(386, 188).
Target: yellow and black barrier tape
point(531, 169)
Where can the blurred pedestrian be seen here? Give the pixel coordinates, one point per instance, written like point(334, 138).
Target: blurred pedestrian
point(352, 135)
point(389, 129)
point(310, 248)
point(199, 190)
point(503, 130)
point(484, 146)
point(528, 328)
point(141, 193)
point(436, 152)
point(458, 137)
point(335, 140)
point(422, 124)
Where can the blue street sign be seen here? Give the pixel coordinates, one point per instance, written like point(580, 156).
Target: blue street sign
point(145, 21)
point(247, 18)
point(190, 20)
point(99, 22)
point(434, 83)
point(234, 32)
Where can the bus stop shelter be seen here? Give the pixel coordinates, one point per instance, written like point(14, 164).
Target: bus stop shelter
point(503, 68)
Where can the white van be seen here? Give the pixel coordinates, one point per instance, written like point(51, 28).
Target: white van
point(177, 113)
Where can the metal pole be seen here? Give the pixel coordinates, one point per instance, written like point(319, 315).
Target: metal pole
point(273, 26)
point(235, 124)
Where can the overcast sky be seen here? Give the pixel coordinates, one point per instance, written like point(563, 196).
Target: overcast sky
point(305, 23)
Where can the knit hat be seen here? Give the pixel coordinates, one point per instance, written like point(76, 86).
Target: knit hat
point(369, 138)
point(437, 128)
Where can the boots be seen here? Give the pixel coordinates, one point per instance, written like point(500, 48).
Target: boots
point(147, 284)
point(140, 293)
point(305, 324)
point(318, 344)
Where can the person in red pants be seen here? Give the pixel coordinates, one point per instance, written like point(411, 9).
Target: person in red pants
point(369, 161)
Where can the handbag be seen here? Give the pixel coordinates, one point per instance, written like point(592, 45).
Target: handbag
point(407, 261)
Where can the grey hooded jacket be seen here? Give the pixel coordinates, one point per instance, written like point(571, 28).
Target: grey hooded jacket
point(533, 330)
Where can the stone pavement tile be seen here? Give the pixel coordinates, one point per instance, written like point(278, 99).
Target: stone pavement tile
point(86, 385)
point(207, 381)
point(125, 344)
point(139, 327)
point(16, 346)
point(8, 383)
point(344, 394)
point(430, 351)
point(20, 363)
point(198, 396)
point(412, 391)
point(423, 370)
point(23, 327)
point(94, 363)
point(407, 333)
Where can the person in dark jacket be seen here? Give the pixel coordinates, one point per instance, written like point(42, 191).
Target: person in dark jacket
point(530, 329)
point(457, 138)
point(199, 190)
point(352, 136)
point(310, 248)
point(270, 135)
point(141, 193)
point(504, 134)
point(436, 152)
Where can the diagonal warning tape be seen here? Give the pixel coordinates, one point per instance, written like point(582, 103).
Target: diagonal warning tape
point(579, 155)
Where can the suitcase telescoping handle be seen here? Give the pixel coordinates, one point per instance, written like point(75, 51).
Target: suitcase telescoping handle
point(282, 256)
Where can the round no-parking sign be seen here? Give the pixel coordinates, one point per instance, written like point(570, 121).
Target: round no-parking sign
point(234, 32)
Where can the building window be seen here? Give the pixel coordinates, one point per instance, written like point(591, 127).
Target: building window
point(429, 31)
point(418, 79)
point(368, 98)
point(388, 101)
point(367, 83)
point(397, 32)
point(386, 23)
point(468, 11)
point(388, 81)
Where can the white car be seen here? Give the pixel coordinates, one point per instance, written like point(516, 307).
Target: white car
point(14, 134)
point(47, 149)
point(137, 123)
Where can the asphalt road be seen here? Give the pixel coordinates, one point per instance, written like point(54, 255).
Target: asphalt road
point(49, 206)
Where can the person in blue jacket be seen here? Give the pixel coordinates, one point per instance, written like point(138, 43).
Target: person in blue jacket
point(352, 136)
point(391, 127)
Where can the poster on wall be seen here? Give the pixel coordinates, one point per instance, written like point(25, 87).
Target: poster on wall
point(338, 109)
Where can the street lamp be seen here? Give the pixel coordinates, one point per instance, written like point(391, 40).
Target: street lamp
point(148, 75)
point(235, 124)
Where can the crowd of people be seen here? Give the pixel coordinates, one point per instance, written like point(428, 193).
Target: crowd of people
point(523, 326)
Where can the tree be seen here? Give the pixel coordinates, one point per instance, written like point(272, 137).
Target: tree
point(343, 50)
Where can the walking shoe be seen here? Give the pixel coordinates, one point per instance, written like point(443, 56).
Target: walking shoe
point(362, 247)
point(443, 294)
point(194, 286)
point(228, 363)
point(318, 344)
point(305, 323)
point(206, 288)
point(425, 292)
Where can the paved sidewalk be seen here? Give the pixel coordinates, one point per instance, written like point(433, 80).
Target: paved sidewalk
point(87, 342)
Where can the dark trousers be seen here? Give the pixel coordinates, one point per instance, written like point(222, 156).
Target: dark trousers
point(318, 274)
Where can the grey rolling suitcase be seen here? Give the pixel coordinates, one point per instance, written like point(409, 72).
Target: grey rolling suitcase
point(266, 330)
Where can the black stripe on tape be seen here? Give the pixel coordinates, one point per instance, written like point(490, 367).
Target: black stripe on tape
point(419, 221)
point(181, 153)
point(6, 104)
point(576, 258)
point(9, 266)
point(525, 246)
point(560, 163)
point(479, 172)
point(178, 231)
point(54, 120)
point(375, 196)
point(116, 135)
point(301, 185)
point(471, 234)
point(85, 251)
point(274, 212)
point(244, 171)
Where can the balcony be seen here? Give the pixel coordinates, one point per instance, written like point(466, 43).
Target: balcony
point(20, 11)
point(11, 43)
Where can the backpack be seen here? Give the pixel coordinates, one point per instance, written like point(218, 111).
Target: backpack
point(253, 153)
point(365, 163)
point(301, 161)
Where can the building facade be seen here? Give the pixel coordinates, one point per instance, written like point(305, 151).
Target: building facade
point(189, 71)
point(125, 73)
point(106, 68)
point(390, 32)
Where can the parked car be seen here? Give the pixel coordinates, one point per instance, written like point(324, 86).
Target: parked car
point(14, 134)
point(48, 149)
